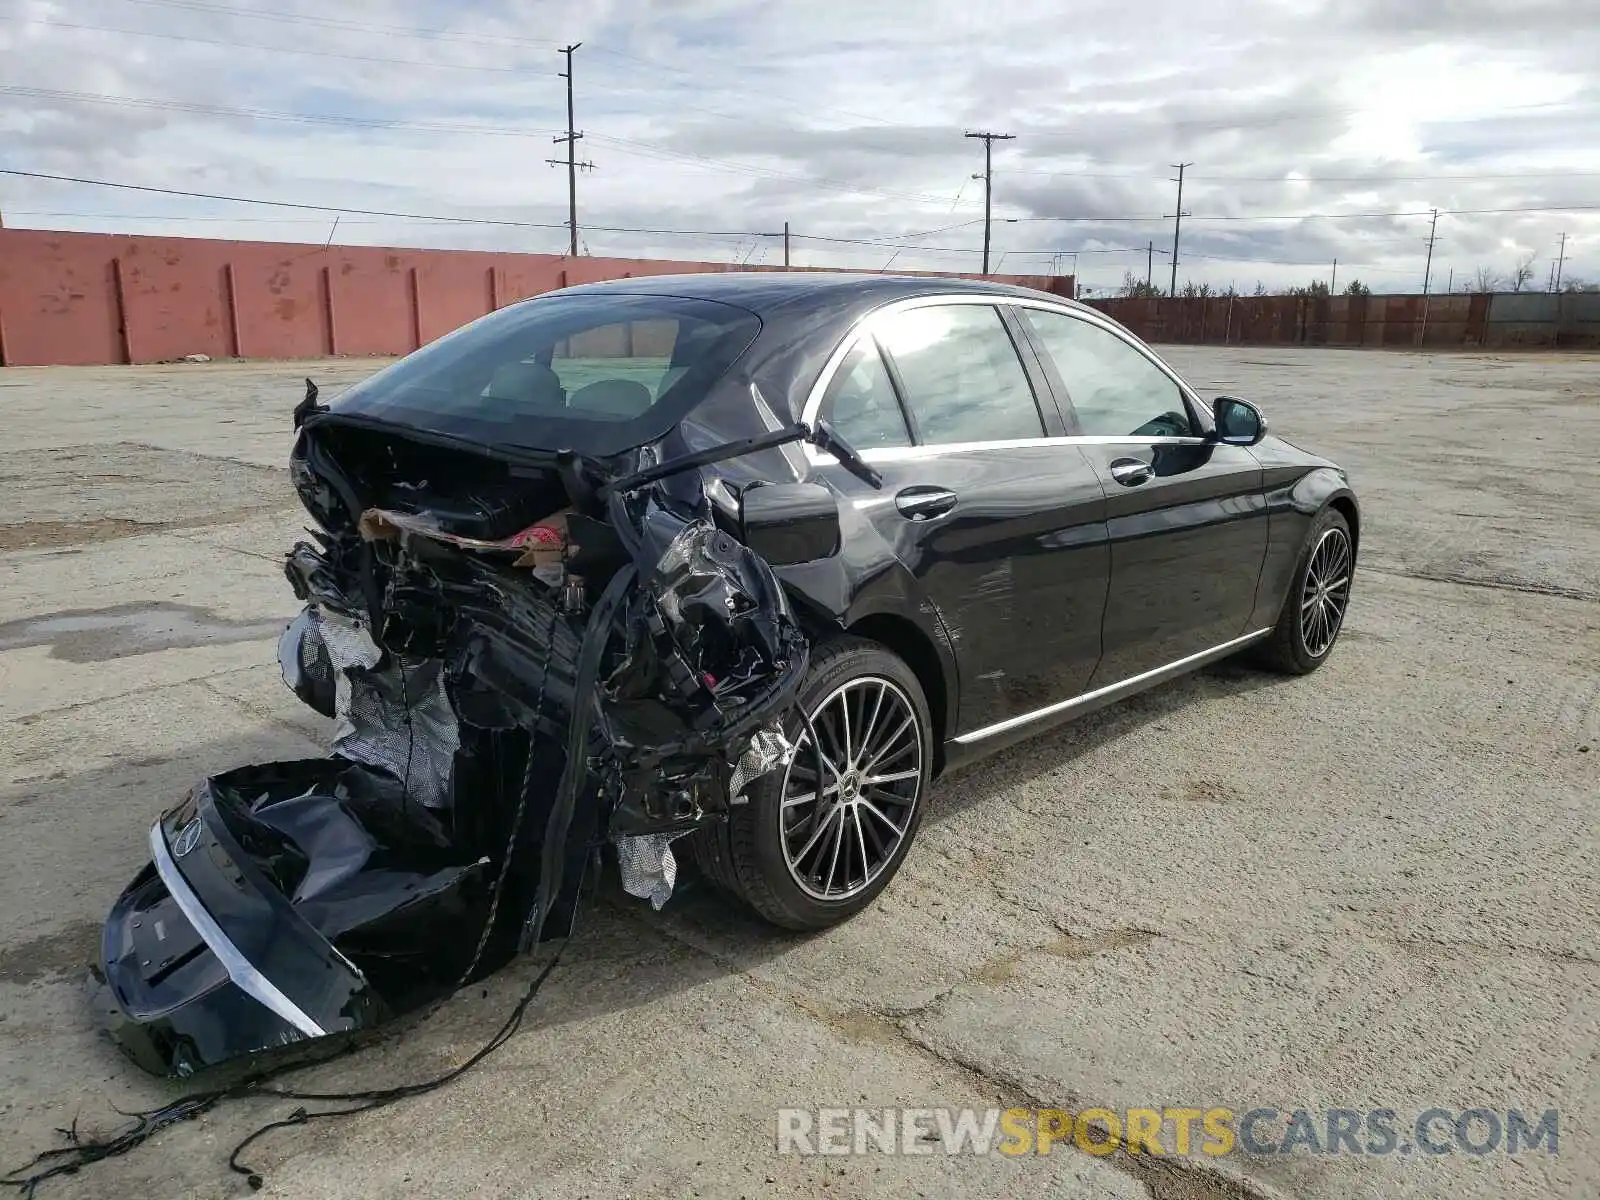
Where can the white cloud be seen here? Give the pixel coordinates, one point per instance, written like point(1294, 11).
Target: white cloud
point(843, 118)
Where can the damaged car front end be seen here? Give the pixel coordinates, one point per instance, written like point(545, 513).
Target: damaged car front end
point(530, 653)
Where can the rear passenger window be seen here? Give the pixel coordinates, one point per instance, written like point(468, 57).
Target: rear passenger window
point(861, 403)
point(963, 379)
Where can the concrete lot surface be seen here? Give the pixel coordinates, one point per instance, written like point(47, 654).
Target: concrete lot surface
point(1374, 887)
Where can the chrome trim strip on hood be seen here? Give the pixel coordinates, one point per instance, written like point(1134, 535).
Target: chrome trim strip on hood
point(249, 980)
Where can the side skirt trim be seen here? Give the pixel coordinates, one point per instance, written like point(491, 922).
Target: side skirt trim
point(1114, 691)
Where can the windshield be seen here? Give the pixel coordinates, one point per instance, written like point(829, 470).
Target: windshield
point(597, 373)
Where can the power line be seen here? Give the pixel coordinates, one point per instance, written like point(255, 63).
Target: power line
point(1455, 178)
point(652, 151)
point(643, 148)
point(887, 242)
point(1322, 216)
point(649, 150)
point(459, 220)
point(1289, 262)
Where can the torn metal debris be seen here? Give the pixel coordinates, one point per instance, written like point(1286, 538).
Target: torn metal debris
point(517, 679)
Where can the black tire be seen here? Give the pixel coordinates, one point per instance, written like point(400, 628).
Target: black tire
point(1287, 650)
point(746, 857)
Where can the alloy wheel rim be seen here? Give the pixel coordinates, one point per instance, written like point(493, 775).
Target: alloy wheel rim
point(841, 833)
point(1326, 593)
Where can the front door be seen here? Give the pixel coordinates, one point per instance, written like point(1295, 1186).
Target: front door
point(1186, 516)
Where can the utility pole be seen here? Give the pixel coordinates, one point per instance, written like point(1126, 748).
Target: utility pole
point(1333, 280)
point(1177, 224)
point(1561, 261)
point(989, 139)
point(1427, 278)
point(1427, 271)
point(1149, 261)
point(571, 160)
point(786, 243)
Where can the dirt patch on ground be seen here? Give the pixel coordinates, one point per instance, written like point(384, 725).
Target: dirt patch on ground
point(98, 634)
point(61, 952)
point(33, 535)
point(1070, 945)
point(78, 495)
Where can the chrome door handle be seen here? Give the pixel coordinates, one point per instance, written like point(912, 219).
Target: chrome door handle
point(924, 503)
point(1131, 472)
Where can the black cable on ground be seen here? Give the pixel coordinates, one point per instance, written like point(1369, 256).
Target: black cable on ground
point(382, 1097)
point(79, 1153)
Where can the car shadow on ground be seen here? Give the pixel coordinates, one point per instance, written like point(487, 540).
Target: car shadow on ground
point(1054, 748)
point(622, 954)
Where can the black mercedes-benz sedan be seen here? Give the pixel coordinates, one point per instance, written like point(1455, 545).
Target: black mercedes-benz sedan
point(743, 559)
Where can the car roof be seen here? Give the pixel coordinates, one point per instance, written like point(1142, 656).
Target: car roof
point(767, 291)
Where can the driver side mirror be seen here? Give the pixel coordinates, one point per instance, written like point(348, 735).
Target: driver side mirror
point(1239, 423)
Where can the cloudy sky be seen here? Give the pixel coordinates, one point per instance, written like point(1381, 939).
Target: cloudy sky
point(1317, 131)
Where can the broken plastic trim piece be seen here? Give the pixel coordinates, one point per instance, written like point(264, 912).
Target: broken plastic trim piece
point(249, 980)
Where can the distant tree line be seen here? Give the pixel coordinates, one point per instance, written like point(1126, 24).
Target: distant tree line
point(1135, 288)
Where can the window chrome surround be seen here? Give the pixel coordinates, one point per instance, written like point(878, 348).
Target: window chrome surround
point(866, 327)
point(1114, 691)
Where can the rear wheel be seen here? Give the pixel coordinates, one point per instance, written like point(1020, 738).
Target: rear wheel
point(806, 851)
point(1313, 613)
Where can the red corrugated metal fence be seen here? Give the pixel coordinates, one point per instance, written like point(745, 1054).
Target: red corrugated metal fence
point(89, 298)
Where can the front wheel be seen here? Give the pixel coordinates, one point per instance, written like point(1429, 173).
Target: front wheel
point(1313, 612)
point(806, 851)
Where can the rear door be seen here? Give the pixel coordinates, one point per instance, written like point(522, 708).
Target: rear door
point(1186, 516)
point(1001, 524)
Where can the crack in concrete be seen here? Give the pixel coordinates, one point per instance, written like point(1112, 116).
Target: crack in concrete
point(1570, 956)
point(1161, 1178)
point(37, 715)
point(262, 713)
point(1501, 585)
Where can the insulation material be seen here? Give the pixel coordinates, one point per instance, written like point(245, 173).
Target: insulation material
point(397, 719)
point(766, 751)
point(647, 866)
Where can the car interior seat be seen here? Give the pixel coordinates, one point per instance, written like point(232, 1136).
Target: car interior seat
point(620, 398)
point(528, 384)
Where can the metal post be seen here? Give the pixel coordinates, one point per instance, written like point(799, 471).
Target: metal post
point(572, 164)
point(989, 140)
point(1177, 226)
point(1427, 277)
